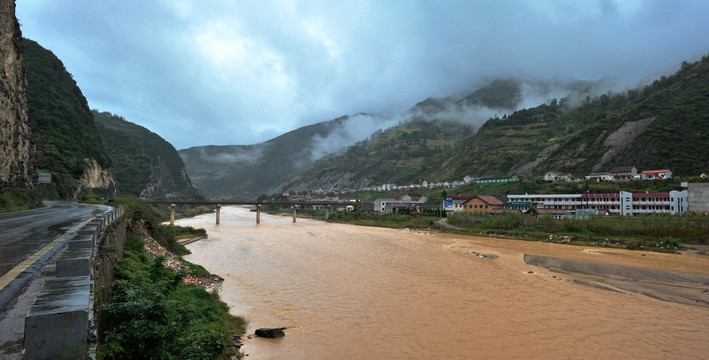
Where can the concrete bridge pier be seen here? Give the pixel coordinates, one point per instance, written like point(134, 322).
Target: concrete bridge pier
point(327, 213)
point(172, 214)
point(294, 213)
point(219, 209)
point(258, 214)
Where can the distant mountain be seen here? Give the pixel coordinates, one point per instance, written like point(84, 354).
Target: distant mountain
point(503, 94)
point(145, 164)
point(68, 145)
point(246, 171)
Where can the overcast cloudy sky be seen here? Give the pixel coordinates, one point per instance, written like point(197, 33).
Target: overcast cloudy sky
point(225, 72)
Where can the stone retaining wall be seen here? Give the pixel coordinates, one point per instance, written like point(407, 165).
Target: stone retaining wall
point(61, 323)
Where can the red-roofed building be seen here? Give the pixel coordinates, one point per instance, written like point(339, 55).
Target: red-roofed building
point(483, 203)
point(656, 174)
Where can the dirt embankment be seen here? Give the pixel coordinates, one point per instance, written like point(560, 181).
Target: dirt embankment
point(674, 286)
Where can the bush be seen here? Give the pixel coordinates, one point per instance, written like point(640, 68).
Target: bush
point(154, 315)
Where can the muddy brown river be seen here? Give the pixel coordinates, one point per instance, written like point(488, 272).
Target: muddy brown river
point(352, 292)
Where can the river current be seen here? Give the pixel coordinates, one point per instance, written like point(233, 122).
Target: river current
point(352, 292)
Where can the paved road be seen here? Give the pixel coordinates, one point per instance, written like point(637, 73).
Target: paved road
point(24, 233)
point(28, 240)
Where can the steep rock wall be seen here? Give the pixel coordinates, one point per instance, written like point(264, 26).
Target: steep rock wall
point(161, 181)
point(94, 177)
point(17, 151)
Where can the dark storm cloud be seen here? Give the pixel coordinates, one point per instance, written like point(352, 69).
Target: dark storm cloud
point(223, 72)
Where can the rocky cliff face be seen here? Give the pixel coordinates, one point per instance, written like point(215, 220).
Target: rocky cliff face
point(94, 177)
point(17, 151)
point(161, 181)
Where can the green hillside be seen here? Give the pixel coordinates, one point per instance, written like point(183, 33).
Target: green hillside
point(578, 139)
point(400, 154)
point(663, 125)
point(145, 164)
point(61, 121)
point(408, 152)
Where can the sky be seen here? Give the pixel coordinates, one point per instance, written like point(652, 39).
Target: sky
point(239, 72)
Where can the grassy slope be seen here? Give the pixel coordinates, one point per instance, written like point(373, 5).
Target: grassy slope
point(674, 140)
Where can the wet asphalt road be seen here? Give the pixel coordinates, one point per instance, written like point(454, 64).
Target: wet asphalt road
point(24, 233)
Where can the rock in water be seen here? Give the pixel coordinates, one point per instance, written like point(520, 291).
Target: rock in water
point(270, 333)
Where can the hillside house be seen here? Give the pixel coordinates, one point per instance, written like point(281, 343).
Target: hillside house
point(483, 203)
point(558, 176)
point(624, 173)
point(600, 176)
point(656, 174)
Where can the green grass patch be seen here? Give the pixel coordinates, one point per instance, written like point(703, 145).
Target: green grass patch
point(153, 314)
point(19, 199)
point(656, 232)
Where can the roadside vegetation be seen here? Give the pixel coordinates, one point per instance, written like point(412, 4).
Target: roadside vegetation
point(19, 199)
point(154, 313)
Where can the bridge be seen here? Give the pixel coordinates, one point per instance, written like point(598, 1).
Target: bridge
point(329, 205)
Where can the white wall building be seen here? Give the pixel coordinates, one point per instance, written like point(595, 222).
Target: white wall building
point(380, 205)
point(622, 203)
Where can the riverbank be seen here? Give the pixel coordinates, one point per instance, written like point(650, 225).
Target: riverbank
point(673, 286)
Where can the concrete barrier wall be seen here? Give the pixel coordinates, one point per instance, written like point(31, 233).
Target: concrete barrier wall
point(61, 320)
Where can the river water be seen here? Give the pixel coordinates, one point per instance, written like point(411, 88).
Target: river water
point(352, 292)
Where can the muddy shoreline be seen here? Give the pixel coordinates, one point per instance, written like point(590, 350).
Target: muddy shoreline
point(674, 286)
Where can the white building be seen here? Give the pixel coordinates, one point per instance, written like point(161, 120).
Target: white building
point(558, 176)
point(622, 203)
point(602, 176)
point(381, 205)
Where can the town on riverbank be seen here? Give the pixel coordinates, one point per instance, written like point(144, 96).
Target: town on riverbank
point(654, 214)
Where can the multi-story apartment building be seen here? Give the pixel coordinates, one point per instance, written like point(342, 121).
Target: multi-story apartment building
point(622, 203)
